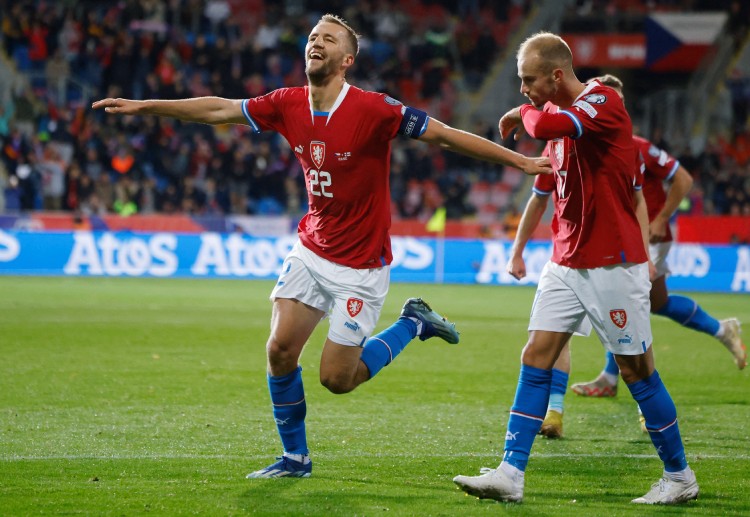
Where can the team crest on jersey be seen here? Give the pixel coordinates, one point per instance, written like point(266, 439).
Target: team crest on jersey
point(354, 306)
point(619, 317)
point(595, 98)
point(557, 154)
point(318, 153)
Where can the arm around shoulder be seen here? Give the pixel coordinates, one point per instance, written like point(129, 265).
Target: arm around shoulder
point(480, 148)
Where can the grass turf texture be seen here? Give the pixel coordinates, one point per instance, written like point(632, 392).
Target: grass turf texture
point(132, 396)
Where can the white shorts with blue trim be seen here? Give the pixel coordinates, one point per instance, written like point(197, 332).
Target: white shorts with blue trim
point(614, 300)
point(352, 298)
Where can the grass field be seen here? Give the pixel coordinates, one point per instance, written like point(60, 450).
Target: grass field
point(134, 397)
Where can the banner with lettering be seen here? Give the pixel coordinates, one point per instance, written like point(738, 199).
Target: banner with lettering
point(694, 267)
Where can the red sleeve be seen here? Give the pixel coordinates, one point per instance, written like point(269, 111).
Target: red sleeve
point(264, 113)
point(547, 126)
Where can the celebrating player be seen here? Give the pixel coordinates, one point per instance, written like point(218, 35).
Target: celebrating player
point(659, 167)
point(598, 275)
point(340, 265)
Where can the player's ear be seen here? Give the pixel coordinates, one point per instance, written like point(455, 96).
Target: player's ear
point(557, 75)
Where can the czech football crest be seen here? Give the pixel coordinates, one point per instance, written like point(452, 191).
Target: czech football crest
point(353, 306)
point(619, 317)
point(318, 153)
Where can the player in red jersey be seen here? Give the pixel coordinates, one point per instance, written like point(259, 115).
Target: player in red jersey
point(340, 267)
point(658, 167)
point(598, 275)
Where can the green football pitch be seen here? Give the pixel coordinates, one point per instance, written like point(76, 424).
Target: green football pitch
point(148, 397)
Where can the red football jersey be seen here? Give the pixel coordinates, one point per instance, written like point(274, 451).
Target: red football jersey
point(345, 154)
point(595, 174)
point(660, 167)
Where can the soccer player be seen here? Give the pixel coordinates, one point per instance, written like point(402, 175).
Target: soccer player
point(598, 275)
point(340, 266)
point(658, 167)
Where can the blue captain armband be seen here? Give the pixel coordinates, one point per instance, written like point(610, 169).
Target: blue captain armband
point(413, 123)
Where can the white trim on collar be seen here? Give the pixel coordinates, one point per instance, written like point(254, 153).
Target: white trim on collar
point(339, 100)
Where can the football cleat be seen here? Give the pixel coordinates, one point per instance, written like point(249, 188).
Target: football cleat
point(642, 422)
point(731, 340)
point(669, 491)
point(285, 467)
point(493, 484)
point(432, 323)
point(552, 427)
point(599, 387)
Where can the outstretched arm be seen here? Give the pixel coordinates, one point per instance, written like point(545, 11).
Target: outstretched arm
point(681, 184)
point(480, 148)
point(532, 214)
point(206, 110)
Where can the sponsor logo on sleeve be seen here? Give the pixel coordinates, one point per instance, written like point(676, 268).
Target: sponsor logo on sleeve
point(595, 98)
point(586, 107)
point(390, 100)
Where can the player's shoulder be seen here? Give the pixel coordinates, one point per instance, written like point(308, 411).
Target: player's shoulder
point(375, 98)
point(598, 98)
point(642, 143)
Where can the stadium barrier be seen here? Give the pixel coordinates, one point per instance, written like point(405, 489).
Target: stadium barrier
point(695, 267)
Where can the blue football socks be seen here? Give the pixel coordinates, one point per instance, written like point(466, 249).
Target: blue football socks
point(688, 313)
point(526, 415)
point(610, 366)
point(383, 348)
point(661, 420)
point(289, 410)
point(557, 390)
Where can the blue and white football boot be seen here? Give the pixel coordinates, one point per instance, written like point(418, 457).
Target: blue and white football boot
point(429, 323)
point(285, 467)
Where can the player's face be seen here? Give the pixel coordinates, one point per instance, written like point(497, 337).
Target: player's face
point(326, 52)
point(538, 85)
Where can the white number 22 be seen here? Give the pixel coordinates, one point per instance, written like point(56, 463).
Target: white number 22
point(320, 179)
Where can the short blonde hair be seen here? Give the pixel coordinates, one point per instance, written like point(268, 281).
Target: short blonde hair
point(610, 80)
point(551, 49)
point(352, 35)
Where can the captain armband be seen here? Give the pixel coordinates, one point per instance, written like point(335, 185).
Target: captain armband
point(413, 123)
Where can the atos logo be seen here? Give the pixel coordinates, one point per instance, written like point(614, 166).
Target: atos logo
point(9, 247)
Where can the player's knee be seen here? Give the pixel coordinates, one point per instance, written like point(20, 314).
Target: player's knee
point(280, 353)
point(336, 384)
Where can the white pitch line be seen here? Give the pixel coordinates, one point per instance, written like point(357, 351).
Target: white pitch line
point(76, 457)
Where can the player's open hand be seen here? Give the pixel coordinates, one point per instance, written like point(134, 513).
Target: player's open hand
point(537, 165)
point(510, 121)
point(516, 267)
point(120, 106)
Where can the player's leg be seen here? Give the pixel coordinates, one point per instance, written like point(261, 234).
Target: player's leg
point(506, 482)
point(298, 306)
point(620, 314)
point(343, 367)
point(678, 483)
point(552, 427)
point(688, 313)
point(555, 315)
point(292, 322)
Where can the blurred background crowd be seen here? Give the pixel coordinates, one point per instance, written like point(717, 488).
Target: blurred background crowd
point(58, 154)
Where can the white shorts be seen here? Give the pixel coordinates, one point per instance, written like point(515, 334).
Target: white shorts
point(612, 299)
point(658, 253)
point(352, 298)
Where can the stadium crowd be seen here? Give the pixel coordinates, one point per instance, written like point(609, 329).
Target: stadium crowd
point(57, 154)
